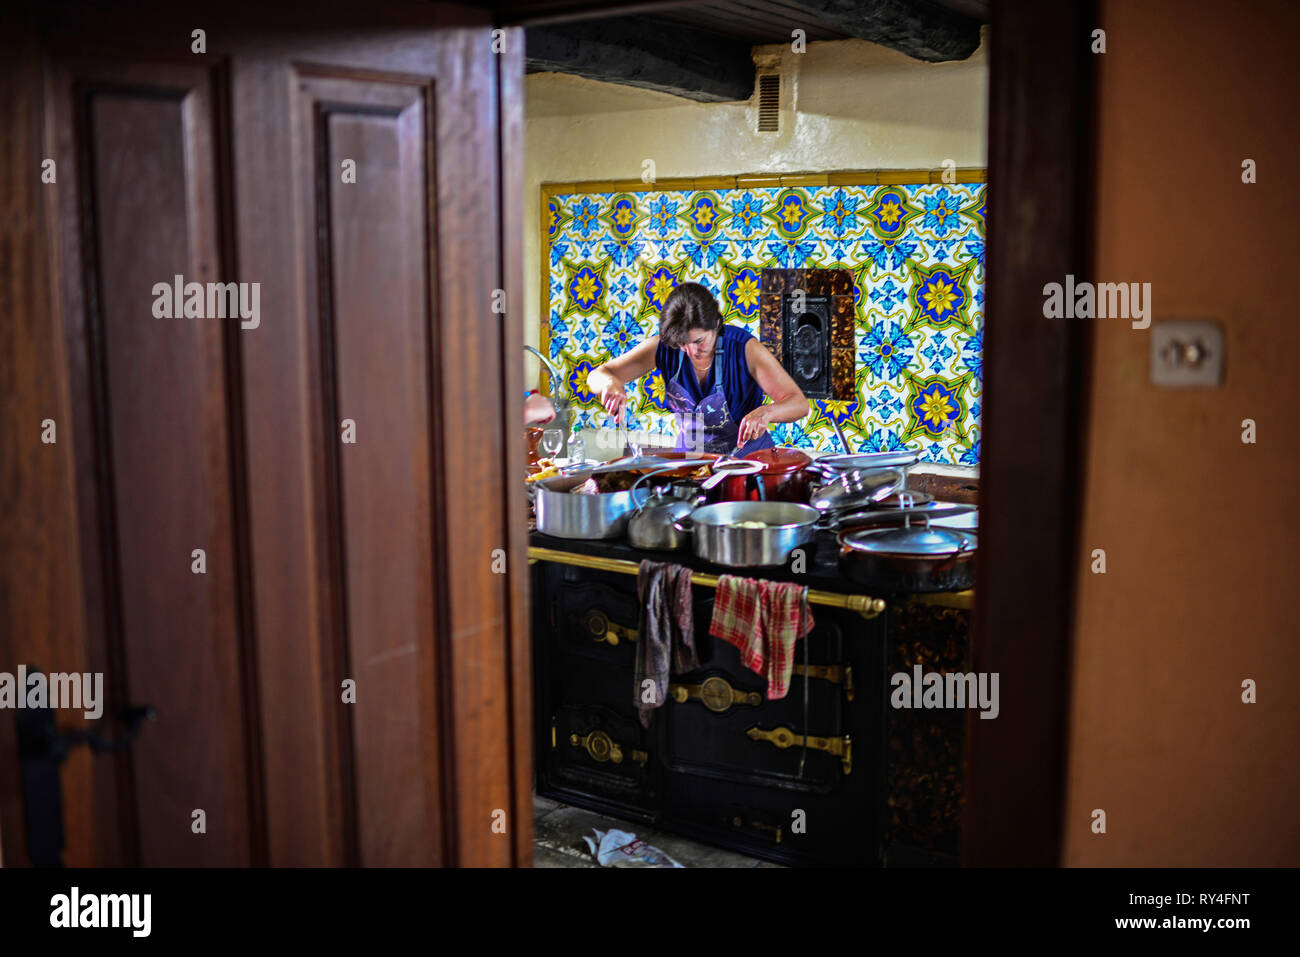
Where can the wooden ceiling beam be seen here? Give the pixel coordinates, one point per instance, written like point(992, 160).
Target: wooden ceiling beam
point(703, 52)
point(931, 33)
point(645, 53)
point(530, 13)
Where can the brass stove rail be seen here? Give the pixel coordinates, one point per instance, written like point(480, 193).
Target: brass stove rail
point(864, 605)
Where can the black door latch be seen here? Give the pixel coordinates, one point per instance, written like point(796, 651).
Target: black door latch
point(42, 748)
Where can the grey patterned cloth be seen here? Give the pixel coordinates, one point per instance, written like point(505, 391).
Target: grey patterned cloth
point(666, 640)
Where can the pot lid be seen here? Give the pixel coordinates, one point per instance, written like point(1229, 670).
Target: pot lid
point(905, 499)
point(918, 541)
point(661, 506)
point(936, 512)
point(869, 460)
point(855, 490)
point(780, 461)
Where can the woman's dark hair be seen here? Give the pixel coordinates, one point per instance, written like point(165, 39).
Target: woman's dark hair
point(689, 306)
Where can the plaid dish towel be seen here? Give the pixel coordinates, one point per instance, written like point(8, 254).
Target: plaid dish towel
point(763, 620)
point(667, 632)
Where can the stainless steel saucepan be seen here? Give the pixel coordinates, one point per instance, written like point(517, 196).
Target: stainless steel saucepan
point(566, 515)
point(774, 530)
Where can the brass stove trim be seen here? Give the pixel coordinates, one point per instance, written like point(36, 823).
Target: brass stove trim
point(715, 693)
point(784, 737)
point(601, 748)
point(864, 605)
point(602, 629)
point(738, 822)
point(835, 674)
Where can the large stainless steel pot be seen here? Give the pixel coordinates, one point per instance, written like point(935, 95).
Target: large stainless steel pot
point(909, 559)
point(565, 515)
point(718, 539)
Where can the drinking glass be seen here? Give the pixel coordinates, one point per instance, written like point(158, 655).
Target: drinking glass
point(552, 442)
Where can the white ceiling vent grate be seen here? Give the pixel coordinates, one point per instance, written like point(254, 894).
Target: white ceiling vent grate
point(769, 103)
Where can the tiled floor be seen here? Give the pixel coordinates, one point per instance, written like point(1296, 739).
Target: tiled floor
point(558, 832)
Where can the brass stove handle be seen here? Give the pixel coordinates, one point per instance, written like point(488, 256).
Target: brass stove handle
point(602, 629)
point(716, 694)
point(835, 674)
point(601, 747)
point(774, 828)
point(842, 748)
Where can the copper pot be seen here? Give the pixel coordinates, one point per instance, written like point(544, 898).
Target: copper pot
point(909, 559)
point(785, 477)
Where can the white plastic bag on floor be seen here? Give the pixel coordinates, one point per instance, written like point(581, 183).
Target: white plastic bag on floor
point(621, 849)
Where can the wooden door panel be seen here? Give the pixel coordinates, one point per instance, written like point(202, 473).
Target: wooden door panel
point(367, 284)
point(381, 312)
point(136, 149)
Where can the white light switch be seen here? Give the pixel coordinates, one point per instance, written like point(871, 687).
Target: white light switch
point(1187, 353)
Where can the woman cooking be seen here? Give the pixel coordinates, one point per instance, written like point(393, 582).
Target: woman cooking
point(716, 396)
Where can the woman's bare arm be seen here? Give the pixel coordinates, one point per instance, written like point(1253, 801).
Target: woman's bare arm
point(608, 378)
point(788, 401)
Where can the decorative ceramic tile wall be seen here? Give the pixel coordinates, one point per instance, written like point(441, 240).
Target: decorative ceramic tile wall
point(916, 253)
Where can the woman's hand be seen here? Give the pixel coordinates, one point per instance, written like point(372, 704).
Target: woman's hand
point(538, 409)
point(608, 379)
point(613, 398)
point(754, 425)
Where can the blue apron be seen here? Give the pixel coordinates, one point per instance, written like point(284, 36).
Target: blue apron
point(707, 425)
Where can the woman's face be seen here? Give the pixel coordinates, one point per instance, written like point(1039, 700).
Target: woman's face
point(699, 345)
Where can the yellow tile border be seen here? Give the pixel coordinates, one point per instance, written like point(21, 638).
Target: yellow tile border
point(667, 185)
point(877, 177)
point(715, 182)
point(869, 177)
point(806, 179)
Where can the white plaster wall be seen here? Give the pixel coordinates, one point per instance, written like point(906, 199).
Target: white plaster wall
point(846, 104)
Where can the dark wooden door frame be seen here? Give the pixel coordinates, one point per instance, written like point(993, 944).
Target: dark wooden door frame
point(1040, 114)
point(518, 617)
point(1033, 429)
